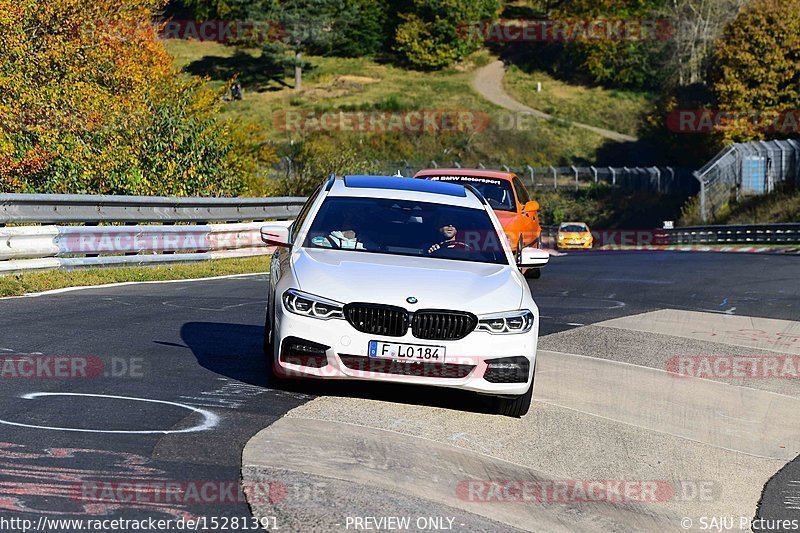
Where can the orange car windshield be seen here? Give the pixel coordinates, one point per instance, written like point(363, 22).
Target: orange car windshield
point(497, 192)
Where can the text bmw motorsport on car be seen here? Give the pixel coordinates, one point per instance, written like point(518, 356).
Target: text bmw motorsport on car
point(402, 280)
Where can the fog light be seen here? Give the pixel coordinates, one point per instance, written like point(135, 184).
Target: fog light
point(295, 351)
point(507, 370)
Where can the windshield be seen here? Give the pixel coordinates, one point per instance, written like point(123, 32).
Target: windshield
point(497, 192)
point(401, 227)
point(573, 228)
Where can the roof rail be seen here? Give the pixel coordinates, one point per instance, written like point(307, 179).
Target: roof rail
point(330, 181)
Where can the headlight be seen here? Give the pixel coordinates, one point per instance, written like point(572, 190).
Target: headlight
point(508, 322)
point(302, 303)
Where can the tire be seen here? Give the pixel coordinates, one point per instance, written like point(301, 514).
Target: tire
point(533, 273)
point(516, 406)
point(269, 351)
point(269, 345)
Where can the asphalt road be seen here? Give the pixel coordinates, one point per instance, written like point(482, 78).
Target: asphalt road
point(196, 345)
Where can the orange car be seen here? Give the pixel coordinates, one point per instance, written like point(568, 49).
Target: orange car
point(505, 193)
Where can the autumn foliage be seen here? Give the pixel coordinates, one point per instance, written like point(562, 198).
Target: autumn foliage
point(757, 70)
point(90, 103)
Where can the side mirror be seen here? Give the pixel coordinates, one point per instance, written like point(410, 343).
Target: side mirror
point(275, 235)
point(531, 257)
point(533, 205)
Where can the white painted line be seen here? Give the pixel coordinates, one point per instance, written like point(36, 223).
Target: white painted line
point(210, 420)
point(124, 283)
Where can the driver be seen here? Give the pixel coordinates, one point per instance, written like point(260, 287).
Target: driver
point(449, 231)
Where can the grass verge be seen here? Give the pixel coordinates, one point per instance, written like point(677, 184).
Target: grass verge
point(613, 109)
point(362, 84)
point(28, 282)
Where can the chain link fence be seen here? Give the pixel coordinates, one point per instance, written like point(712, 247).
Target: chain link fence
point(665, 180)
point(744, 169)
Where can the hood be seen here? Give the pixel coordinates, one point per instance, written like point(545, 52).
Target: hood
point(573, 234)
point(505, 217)
point(347, 276)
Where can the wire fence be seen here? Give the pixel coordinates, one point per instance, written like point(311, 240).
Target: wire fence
point(744, 169)
point(664, 180)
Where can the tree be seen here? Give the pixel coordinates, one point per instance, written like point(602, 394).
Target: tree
point(695, 26)
point(636, 62)
point(305, 26)
point(757, 69)
point(91, 103)
point(435, 33)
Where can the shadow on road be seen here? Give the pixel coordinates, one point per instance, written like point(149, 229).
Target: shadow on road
point(234, 351)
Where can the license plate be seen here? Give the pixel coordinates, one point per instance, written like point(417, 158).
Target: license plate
point(412, 353)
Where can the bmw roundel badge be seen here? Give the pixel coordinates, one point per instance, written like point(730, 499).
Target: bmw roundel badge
point(411, 300)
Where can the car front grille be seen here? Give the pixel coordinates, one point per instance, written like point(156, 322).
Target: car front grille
point(391, 366)
point(377, 319)
point(443, 325)
point(391, 321)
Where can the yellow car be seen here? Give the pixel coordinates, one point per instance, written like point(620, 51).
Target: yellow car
point(574, 235)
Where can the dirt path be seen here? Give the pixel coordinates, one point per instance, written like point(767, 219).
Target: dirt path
point(488, 81)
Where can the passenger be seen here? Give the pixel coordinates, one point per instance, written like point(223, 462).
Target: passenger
point(345, 238)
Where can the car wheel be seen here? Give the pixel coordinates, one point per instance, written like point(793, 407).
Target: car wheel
point(533, 273)
point(517, 406)
point(269, 350)
point(269, 345)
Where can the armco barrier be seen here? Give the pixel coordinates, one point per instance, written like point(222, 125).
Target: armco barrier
point(42, 247)
point(756, 234)
point(742, 234)
point(95, 209)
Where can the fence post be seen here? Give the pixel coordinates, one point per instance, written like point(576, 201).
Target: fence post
point(555, 178)
point(594, 173)
point(288, 167)
point(613, 175)
point(703, 217)
point(658, 179)
point(575, 170)
point(532, 173)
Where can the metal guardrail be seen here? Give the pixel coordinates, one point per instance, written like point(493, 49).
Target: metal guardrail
point(755, 234)
point(95, 209)
point(743, 234)
point(117, 242)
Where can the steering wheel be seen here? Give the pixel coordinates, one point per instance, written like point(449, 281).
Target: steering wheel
point(451, 245)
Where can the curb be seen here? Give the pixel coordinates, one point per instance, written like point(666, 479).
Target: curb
point(360, 471)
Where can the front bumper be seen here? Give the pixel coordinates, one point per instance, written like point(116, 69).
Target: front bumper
point(576, 244)
point(348, 355)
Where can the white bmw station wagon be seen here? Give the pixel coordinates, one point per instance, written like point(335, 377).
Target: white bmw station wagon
point(402, 280)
